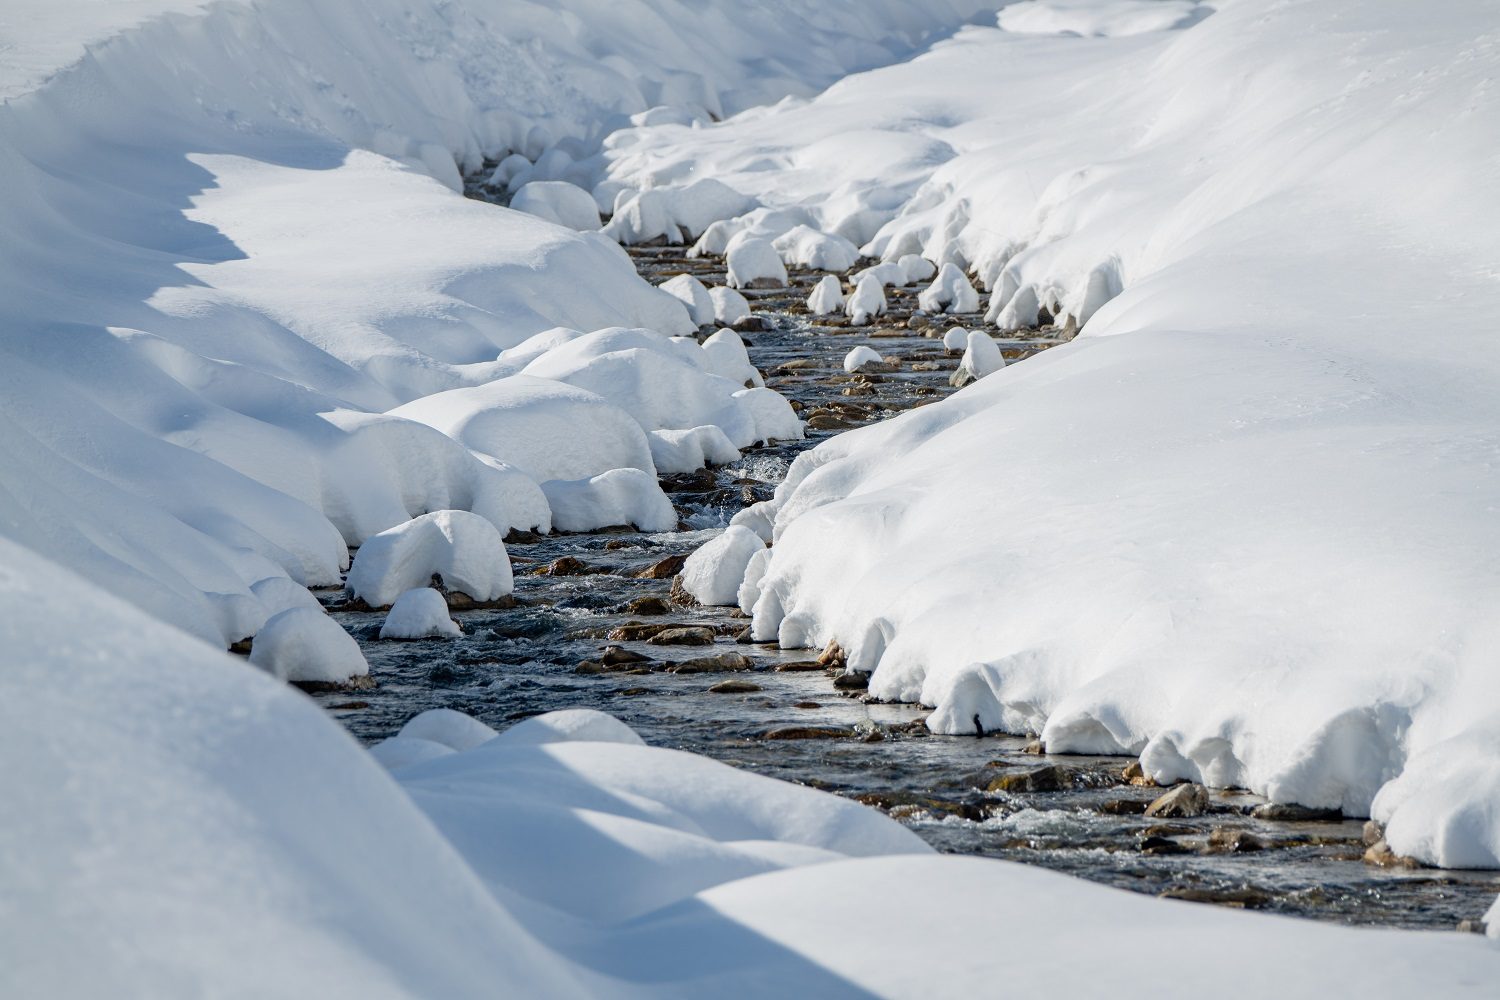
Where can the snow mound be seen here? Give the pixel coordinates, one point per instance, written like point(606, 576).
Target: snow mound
point(861, 356)
point(981, 357)
point(763, 223)
point(419, 614)
point(691, 293)
point(1098, 18)
point(916, 268)
point(620, 496)
point(950, 292)
point(724, 355)
point(558, 202)
point(729, 306)
point(713, 572)
point(305, 645)
point(754, 263)
point(827, 296)
point(956, 339)
point(771, 414)
point(805, 246)
point(580, 725)
point(448, 728)
point(461, 548)
point(691, 449)
point(675, 214)
point(867, 302)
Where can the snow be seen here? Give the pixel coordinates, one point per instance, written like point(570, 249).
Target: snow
point(981, 355)
point(729, 306)
point(956, 339)
point(861, 356)
point(462, 548)
point(1235, 525)
point(558, 201)
point(867, 302)
point(691, 449)
point(805, 246)
point(754, 263)
point(419, 614)
point(619, 496)
point(950, 291)
point(827, 296)
point(304, 644)
point(713, 572)
point(724, 355)
point(692, 293)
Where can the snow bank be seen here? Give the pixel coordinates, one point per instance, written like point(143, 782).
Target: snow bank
point(559, 202)
point(304, 644)
point(419, 614)
point(463, 549)
point(1236, 525)
point(1098, 18)
point(675, 214)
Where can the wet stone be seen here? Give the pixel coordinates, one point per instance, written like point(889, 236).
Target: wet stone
point(852, 681)
point(693, 635)
point(735, 687)
point(1050, 778)
point(663, 570)
point(1287, 812)
point(722, 663)
point(1182, 801)
point(616, 655)
point(648, 606)
point(808, 733)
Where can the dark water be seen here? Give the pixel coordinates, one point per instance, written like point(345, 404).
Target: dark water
point(521, 661)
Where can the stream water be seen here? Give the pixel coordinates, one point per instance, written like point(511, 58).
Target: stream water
point(783, 716)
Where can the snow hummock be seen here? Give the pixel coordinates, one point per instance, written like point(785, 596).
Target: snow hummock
point(305, 645)
point(861, 356)
point(558, 201)
point(693, 294)
point(462, 548)
point(1098, 18)
point(616, 497)
point(691, 449)
point(805, 246)
point(981, 355)
point(729, 305)
point(867, 302)
point(419, 614)
point(827, 296)
point(956, 339)
point(713, 573)
point(754, 263)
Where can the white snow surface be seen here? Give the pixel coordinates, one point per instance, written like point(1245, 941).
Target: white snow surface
point(827, 296)
point(713, 572)
point(304, 644)
point(462, 548)
point(419, 614)
point(1240, 525)
point(558, 201)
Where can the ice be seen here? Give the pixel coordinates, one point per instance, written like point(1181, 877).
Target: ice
point(304, 644)
point(419, 614)
point(462, 548)
point(558, 201)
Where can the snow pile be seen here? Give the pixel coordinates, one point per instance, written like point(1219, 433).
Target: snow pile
point(713, 573)
point(950, 292)
point(827, 296)
point(807, 247)
point(754, 263)
point(1209, 520)
point(691, 449)
point(461, 548)
point(675, 214)
point(616, 497)
point(981, 357)
point(867, 302)
point(559, 202)
point(763, 223)
point(724, 355)
point(956, 340)
point(691, 293)
point(729, 306)
point(304, 644)
point(861, 356)
point(419, 614)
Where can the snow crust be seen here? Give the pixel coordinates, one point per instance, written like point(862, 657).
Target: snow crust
point(1235, 526)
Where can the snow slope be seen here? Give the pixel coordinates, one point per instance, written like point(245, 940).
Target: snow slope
point(170, 832)
point(234, 240)
point(1242, 525)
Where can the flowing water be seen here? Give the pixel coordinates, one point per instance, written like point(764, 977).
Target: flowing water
point(782, 715)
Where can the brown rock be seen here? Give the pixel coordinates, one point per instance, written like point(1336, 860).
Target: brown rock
point(721, 663)
point(1380, 855)
point(798, 666)
point(666, 568)
point(808, 733)
point(833, 655)
point(852, 681)
point(648, 606)
point(1230, 841)
point(1049, 778)
point(734, 687)
point(1184, 801)
point(614, 656)
point(691, 635)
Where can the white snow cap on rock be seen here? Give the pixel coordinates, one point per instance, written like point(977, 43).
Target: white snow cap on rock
point(714, 571)
point(691, 449)
point(620, 496)
point(693, 294)
point(675, 213)
point(729, 305)
point(915, 268)
point(956, 339)
point(754, 263)
point(950, 291)
point(462, 548)
point(558, 201)
point(827, 296)
point(725, 355)
point(419, 614)
point(805, 246)
point(867, 302)
point(981, 355)
point(305, 645)
point(861, 356)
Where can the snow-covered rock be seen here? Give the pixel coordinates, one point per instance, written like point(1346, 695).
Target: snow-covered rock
point(692, 293)
point(620, 496)
point(305, 645)
point(805, 246)
point(861, 356)
point(462, 548)
point(867, 302)
point(729, 305)
point(419, 614)
point(754, 263)
point(691, 449)
point(558, 201)
point(827, 296)
point(713, 572)
point(981, 357)
point(724, 355)
point(956, 340)
point(915, 269)
point(950, 292)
